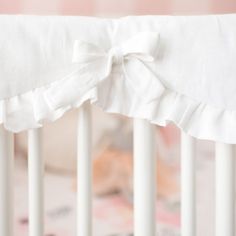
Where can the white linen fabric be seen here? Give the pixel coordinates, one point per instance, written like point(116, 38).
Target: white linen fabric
point(160, 68)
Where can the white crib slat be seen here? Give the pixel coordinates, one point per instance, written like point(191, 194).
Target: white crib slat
point(6, 182)
point(84, 177)
point(144, 178)
point(36, 186)
point(225, 189)
point(188, 186)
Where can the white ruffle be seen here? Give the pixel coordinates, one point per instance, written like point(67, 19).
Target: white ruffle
point(32, 109)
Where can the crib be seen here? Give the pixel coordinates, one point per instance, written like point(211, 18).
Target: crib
point(144, 180)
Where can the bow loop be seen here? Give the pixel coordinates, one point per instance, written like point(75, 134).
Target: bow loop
point(85, 52)
point(96, 65)
point(143, 45)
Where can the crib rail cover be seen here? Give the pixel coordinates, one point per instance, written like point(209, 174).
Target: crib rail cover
point(179, 69)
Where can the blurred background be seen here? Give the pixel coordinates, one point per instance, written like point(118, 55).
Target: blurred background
point(112, 144)
point(116, 7)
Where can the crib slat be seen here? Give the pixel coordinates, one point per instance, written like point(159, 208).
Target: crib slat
point(36, 186)
point(84, 176)
point(144, 178)
point(225, 189)
point(6, 182)
point(188, 186)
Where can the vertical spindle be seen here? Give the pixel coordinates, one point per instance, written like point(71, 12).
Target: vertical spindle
point(144, 178)
point(188, 185)
point(6, 182)
point(84, 176)
point(36, 186)
point(225, 190)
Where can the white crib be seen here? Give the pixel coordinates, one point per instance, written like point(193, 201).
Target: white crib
point(144, 178)
point(105, 32)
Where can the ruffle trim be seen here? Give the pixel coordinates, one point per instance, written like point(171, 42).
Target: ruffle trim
point(32, 109)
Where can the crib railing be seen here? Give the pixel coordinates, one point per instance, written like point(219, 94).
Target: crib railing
point(144, 182)
point(6, 182)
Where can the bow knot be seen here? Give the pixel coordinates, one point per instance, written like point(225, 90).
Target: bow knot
point(96, 65)
point(117, 55)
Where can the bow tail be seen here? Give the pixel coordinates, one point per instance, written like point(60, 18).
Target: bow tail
point(74, 86)
point(143, 81)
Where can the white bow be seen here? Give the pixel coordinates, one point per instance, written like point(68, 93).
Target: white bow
point(96, 65)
